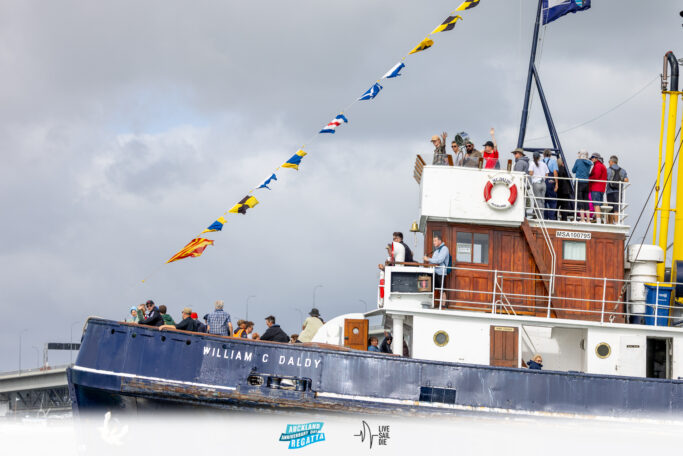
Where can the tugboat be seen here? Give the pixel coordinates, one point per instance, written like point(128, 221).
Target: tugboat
point(603, 316)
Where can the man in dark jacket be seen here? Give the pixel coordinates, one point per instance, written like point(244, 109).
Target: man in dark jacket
point(187, 324)
point(154, 317)
point(274, 332)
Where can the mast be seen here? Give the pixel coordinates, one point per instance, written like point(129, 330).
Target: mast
point(667, 175)
point(533, 73)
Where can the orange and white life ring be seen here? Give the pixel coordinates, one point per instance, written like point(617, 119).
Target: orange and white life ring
point(500, 179)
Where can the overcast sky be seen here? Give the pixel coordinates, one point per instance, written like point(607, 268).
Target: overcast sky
point(127, 127)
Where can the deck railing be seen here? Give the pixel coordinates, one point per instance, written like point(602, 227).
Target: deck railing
point(507, 295)
point(576, 209)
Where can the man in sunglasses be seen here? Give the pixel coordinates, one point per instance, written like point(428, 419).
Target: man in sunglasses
point(458, 153)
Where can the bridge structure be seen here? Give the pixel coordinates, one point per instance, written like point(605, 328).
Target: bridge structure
point(34, 392)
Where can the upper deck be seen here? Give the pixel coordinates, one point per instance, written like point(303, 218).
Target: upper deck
point(496, 229)
point(505, 198)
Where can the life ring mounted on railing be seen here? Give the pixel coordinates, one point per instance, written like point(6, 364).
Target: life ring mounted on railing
point(500, 179)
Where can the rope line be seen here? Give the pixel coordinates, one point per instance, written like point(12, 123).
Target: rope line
point(603, 114)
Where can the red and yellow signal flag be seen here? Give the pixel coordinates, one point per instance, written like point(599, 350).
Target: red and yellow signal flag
point(193, 249)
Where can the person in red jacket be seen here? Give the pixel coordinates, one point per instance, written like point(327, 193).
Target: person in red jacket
point(491, 152)
point(597, 182)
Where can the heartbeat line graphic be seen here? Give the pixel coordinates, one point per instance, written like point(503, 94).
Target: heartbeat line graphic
point(366, 432)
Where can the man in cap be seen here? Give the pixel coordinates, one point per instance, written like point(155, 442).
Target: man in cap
point(440, 156)
point(274, 332)
point(311, 326)
point(597, 181)
point(491, 152)
point(218, 322)
point(186, 324)
point(154, 317)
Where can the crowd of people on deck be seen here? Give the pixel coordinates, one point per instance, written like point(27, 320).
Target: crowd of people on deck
point(219, 322)
point(594, 183)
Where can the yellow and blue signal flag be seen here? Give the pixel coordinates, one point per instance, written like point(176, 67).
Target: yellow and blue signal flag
point(295, 160)
point(216, 226)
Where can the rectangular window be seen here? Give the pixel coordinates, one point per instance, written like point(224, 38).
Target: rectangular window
point(574, 250)
point(444, 395)
point(472, 248)
point(463, 252)
point(480, 254)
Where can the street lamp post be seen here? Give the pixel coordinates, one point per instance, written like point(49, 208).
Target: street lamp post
point(71, 341)
point(20, 335)
point(365, 304)
point(315, 288)
point(248, 298)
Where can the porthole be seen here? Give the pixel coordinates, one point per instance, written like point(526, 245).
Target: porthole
point(603, 350)
point(441, 338)
point(355, 331)
point(163, 338)
point(188, 342)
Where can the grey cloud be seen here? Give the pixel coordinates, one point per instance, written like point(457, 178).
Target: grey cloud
point(127, 127)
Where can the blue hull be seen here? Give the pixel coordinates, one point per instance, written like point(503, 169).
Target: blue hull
point(133, 368)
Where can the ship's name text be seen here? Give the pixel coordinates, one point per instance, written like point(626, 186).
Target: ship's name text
point(265, 358)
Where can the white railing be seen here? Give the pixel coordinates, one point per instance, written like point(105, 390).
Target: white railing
point(497, 300)
point(536, 207)
point(575, 209)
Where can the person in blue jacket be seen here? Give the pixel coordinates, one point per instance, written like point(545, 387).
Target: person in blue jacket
point(582, 168)
point(372, 344)
point(536, 363)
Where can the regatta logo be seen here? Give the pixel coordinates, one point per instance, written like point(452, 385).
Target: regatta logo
point(301, 435)
point(365, 434)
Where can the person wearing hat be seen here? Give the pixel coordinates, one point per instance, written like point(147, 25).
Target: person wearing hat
point(522, 165)
point(311, 326)
point(491, 152)
point(597, 181)
point(440, 156)
point(521, 161)
point(186, 324)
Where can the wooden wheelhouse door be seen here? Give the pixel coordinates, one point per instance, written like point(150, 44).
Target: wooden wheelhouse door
point(504, 346)
point(356, 334)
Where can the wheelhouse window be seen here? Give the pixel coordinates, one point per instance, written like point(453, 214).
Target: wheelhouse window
point(472, 248)
point(574, 250)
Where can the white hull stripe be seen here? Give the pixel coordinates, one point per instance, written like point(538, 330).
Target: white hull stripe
point(154, 379)
point(470, 408)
